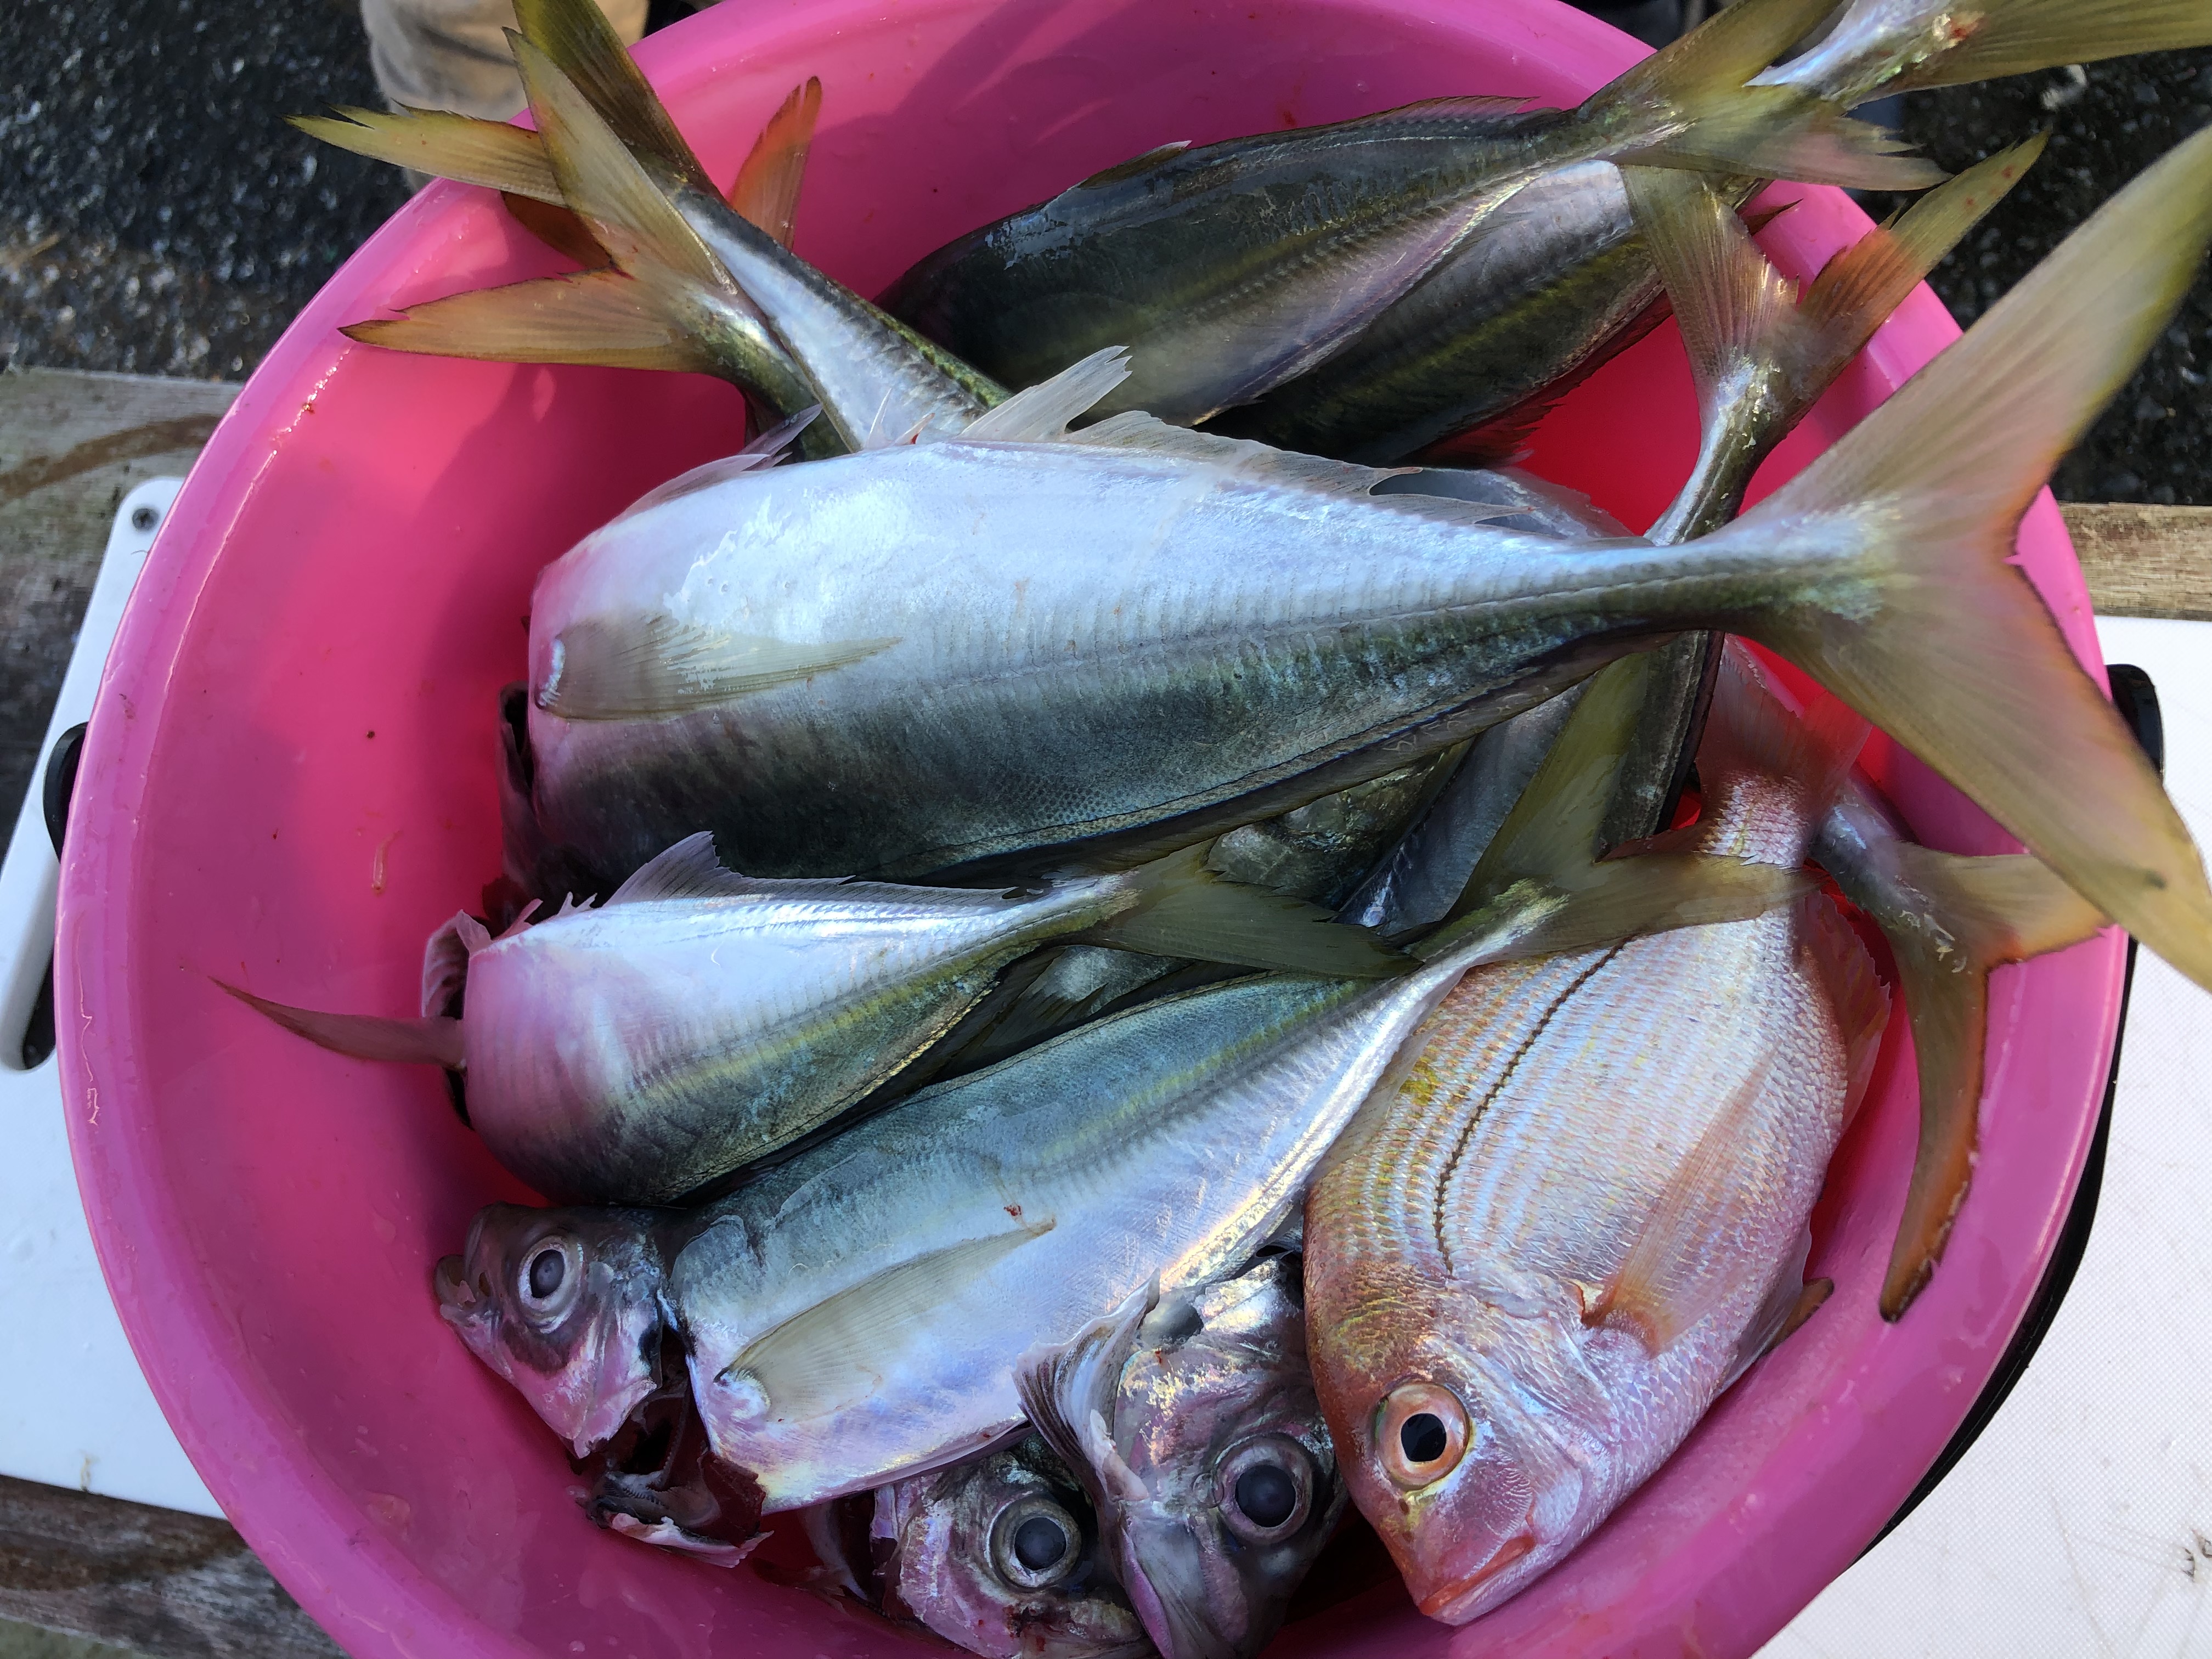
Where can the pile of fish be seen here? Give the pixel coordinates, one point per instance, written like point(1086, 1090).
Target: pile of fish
point(1230, 1009)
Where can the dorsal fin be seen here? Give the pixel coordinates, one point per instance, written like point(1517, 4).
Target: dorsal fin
point(766, 190)
point(1041, 413)
point(1476, 107)
point(1136, 430)
point(688, 870)
point(1136, 166)
point(762, 452)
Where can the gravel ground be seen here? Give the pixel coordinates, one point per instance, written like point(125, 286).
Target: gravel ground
point(156, 215)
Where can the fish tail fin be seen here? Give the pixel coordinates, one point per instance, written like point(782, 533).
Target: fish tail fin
point(366, 1037)
point(1879, 49)
point(1686, 105)
point(605, 318)
point(445, 145)
point(1179, 907)
point(1759, 354)
point(1753, 737)
point(1542, 887)
point(576, 36)
point(1908, 608)
point(1985, 911)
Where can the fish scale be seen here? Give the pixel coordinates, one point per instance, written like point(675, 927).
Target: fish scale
point(1570, 1218)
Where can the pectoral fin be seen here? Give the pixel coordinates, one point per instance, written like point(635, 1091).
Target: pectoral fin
point(845, 1347)
point(648, 668)
point(1669, 1280)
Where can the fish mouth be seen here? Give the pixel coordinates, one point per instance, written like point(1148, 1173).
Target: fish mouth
point(1447, 1602)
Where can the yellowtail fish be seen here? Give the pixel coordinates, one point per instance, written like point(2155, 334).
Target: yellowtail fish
point(1533, 1263)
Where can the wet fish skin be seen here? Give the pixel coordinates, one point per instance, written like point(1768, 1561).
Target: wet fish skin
point(954, 1567)
point(1533, 1266)
point(1167, 1141)
point(1216, 1482)
point(1202, 684)
point(1235, 266)
point(1555, 282)
point(700, 1019)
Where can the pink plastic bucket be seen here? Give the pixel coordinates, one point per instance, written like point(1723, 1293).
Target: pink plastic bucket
point(290, 782)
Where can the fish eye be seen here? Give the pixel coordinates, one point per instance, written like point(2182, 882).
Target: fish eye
point(1421, 1432)
point(1035, 1542)
point(552, 1277)
point(1267, 1489)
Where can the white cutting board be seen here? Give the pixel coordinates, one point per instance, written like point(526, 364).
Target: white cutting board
point(2079, 1522)
point(74, 1409)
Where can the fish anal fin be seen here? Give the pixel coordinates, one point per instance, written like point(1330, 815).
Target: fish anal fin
point(650, 667)
point(766, 190)
point(840, 1349)
point(687, 870)
point(434, 1041)
point(1665, 1285)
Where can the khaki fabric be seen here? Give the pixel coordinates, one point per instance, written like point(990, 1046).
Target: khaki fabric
point(453, 54)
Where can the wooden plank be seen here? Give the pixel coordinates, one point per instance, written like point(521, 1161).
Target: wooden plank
point(71, 446)
point(171, 1586)
point(2145, 560)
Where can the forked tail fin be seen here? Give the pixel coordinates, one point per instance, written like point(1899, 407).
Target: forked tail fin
point(1908, 608)
point(1885, 46)
point(1692, 100)
point(1949, 919)
point(1760, 355)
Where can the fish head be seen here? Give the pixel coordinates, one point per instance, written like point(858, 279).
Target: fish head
point(1475, 1481)
point(1214, 1476)
point(565, 1305)
point(1000, 1555)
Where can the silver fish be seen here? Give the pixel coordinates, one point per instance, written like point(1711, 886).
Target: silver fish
point(1533, 1264)
point(854, 1314)
point(701, 1019)
point(1194, 1422)
point(1001, 1555)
